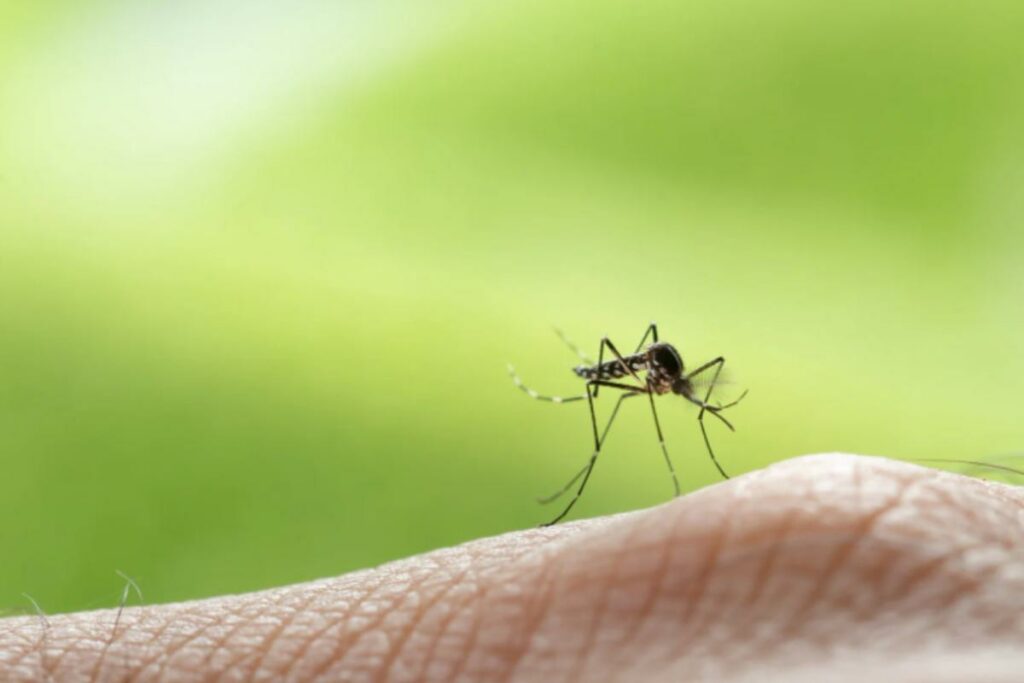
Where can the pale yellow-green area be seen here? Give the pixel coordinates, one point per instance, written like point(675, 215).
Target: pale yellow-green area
point(262, 265)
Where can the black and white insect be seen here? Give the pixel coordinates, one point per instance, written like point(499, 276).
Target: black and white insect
point(664, 373)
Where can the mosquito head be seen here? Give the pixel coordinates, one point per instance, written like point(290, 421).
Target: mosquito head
point(665, 360)
point(682, 386)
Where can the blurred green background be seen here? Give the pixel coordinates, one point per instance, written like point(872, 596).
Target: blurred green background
point(262, 265)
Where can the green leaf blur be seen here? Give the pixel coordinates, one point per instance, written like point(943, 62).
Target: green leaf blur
point(262, 265)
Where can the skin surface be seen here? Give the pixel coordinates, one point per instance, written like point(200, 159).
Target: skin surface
point(823, 568)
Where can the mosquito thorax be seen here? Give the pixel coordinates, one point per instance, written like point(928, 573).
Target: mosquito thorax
point(665, 358)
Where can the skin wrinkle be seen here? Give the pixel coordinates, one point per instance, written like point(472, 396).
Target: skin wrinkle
point(62, 654)
point(1013, 496)
point(499, 645)
point(26, 638)
point(555, 567)
point(343, 649)
point(351, 604)
point(430, 653)
point(539, 557)
point(934, 565)
point(155, 636)
point(657, 585)
point(474, 604)
point(162, 658)
point(166, 656)
point(924, 633)
point(177, 649)
point(720, 535)
point(440, 594)
point(286, 619)
point(339, 650)
point(974, 600)
point(75, 649)
point(162, 663)
point(547, 564)
point(470, 605)
point(239, 621)
point(598, 615)
point(43, 646)
point(54, 662)
point(536, 606)
point(760, 580)
point(955, 593)
point(218, 645)
point(973, 488)
point(31, 645)
point(101, 660)
point(856, 536)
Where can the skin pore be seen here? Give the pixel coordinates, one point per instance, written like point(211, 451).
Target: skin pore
point(822, 568)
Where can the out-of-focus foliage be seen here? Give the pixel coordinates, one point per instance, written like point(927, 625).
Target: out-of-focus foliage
point(262, 265)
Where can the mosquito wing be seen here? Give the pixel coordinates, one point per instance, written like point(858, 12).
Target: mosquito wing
point(722, 387)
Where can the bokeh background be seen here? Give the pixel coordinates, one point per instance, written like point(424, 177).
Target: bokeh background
point(263, 264)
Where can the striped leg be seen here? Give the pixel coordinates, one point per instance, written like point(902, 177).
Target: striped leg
point(540, 397)
point(597, 442)
point(604, 433)
point(661, 442)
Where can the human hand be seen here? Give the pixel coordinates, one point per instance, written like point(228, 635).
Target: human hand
point(824, 568)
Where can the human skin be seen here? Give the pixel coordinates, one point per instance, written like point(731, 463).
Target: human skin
point(822, 568)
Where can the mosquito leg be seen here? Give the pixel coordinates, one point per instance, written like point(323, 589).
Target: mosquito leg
point(652, 331)
point(597, 441)
point(544, 500)
point(561, 492)
point(599, 366)
point(707, 443)
point(717, 364)
point(661, 442)
point(590, 464)
point(575, 349)
point(540, 397)
point(597, 381)
point(720, 361)
point(730, 404)
point(605, 341)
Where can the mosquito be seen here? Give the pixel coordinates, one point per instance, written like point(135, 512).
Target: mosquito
point(664, 373)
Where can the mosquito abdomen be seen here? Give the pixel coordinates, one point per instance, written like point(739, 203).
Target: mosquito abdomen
point(613, 369)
